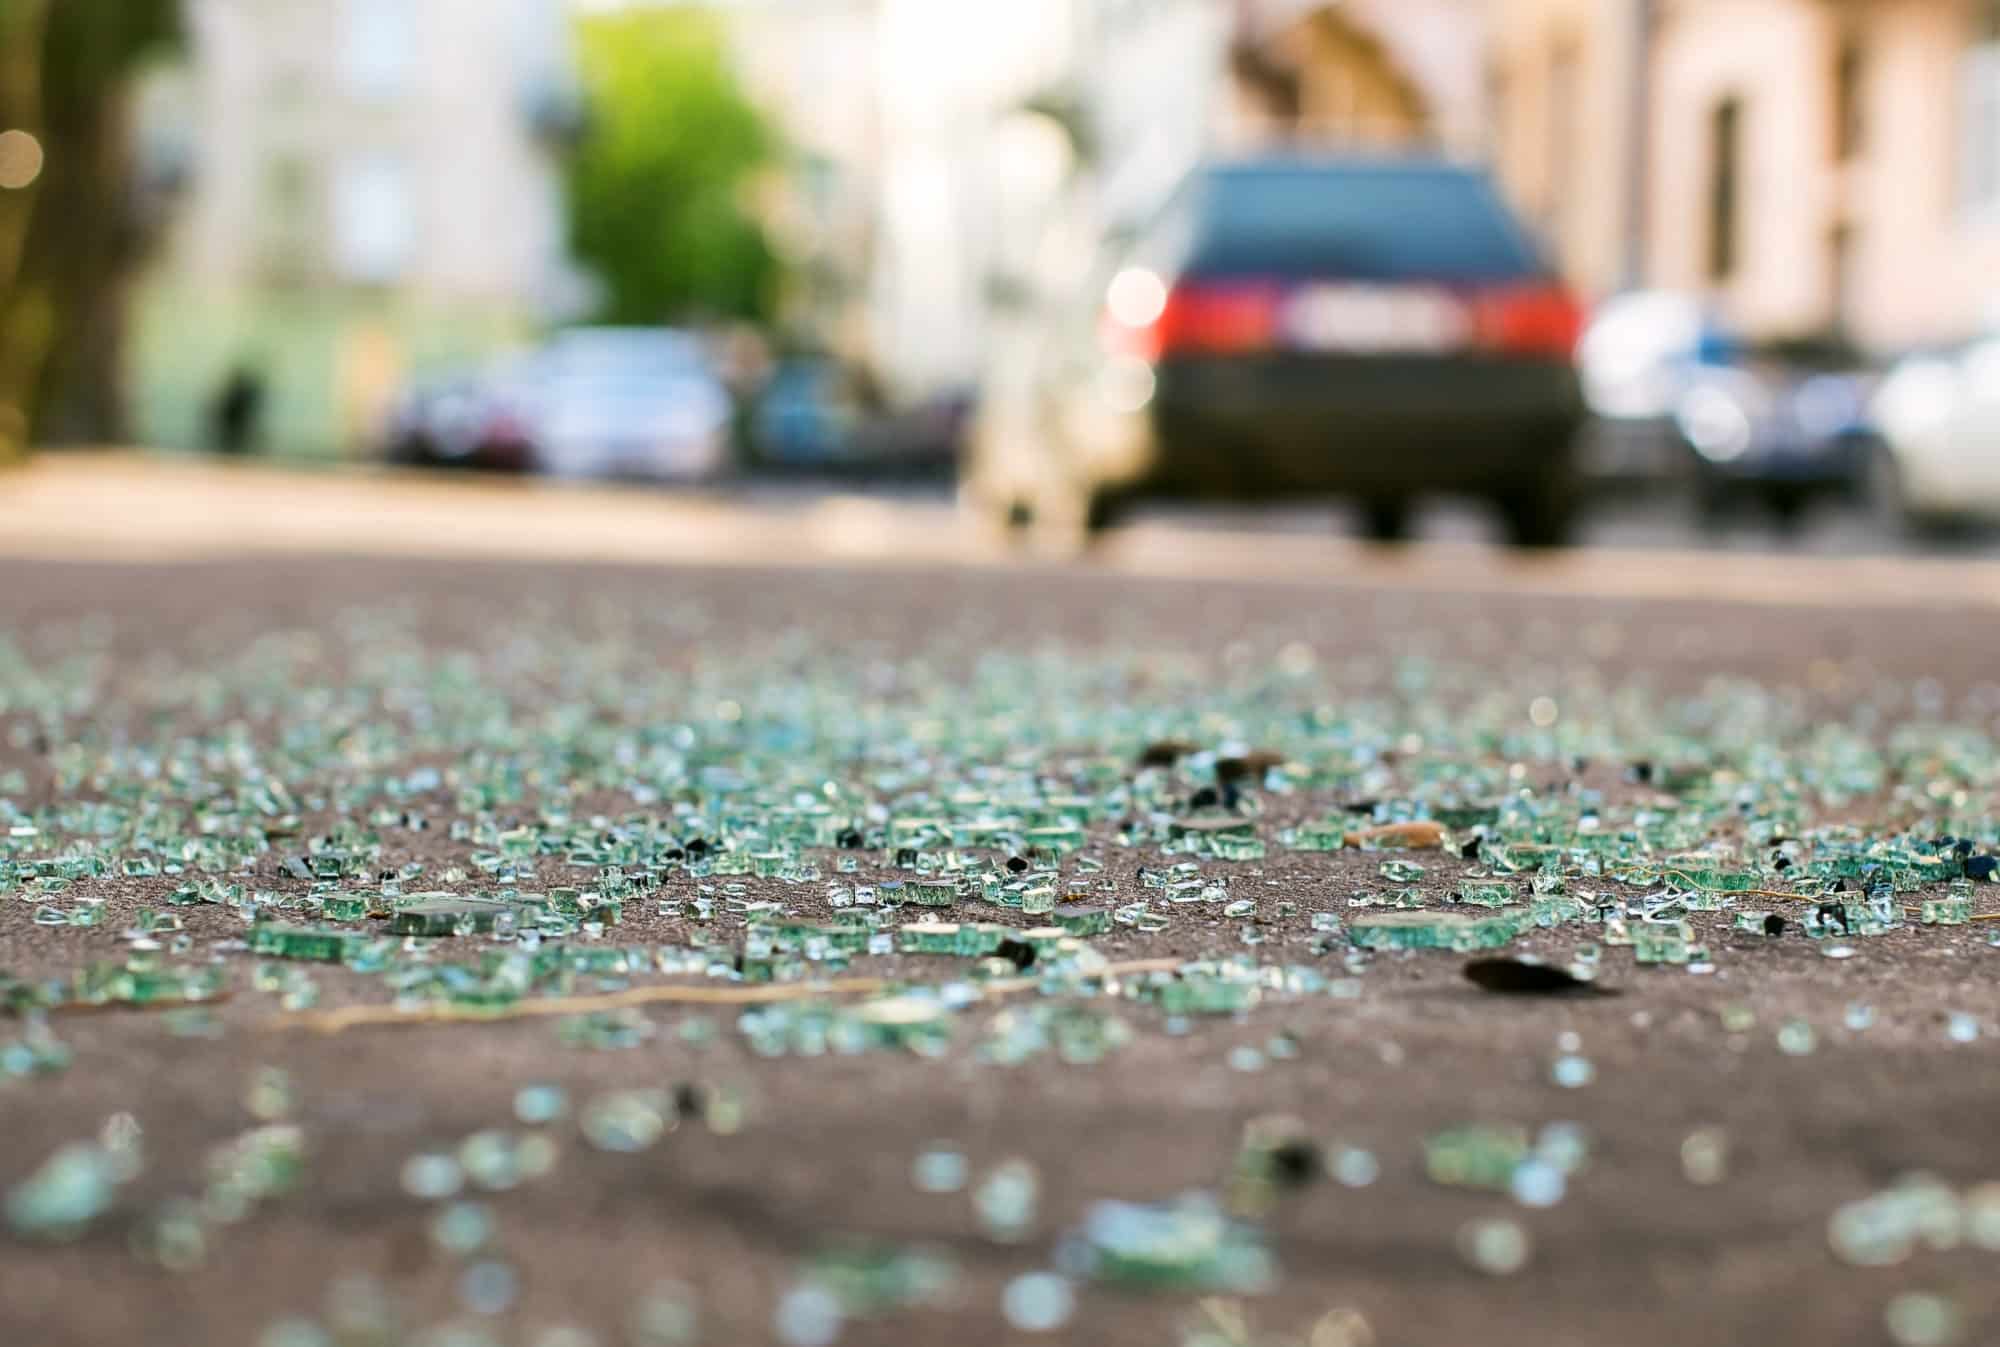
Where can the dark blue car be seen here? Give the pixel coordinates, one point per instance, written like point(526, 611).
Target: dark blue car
point(1778, 427)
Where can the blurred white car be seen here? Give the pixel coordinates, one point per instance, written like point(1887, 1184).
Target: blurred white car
point(1640, 351)
point(1939, 416)
point(1640, 357)
point(630, 402)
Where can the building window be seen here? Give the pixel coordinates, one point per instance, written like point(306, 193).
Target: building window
point(374, 230)
point(1725, 182)
point(377, 46)
point(1849, 73)
point(1980, 176)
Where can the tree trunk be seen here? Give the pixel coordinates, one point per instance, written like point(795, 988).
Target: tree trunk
point(82, 246)
point(68, 244)
point(22, 23)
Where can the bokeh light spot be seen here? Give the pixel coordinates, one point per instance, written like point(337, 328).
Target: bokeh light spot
point(20, 159)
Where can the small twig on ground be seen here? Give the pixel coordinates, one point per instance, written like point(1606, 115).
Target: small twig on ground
point(349, 1017)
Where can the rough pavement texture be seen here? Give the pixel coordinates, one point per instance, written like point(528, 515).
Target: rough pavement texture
point(1634, 1255)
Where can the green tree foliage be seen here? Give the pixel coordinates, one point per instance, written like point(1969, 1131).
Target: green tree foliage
point(69, 241)
point(657, 189)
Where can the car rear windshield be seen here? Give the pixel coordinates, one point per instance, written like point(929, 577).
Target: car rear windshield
point(1374, 223)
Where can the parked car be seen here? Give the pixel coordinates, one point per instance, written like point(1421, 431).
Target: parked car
point(1640, 354)
point(919, 439)
point(815, 416)
point(474, 418)
point(1939, 417)
point(629, 402)
point(1780, 426)
point(1675, 396)
point(1292, 326)
point(805, 416)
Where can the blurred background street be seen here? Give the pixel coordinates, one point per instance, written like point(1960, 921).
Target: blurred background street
point(1622, 272)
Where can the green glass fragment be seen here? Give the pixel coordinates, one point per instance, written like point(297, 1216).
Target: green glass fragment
point(1432, 930)
point(1084, 920)
point(282, 940)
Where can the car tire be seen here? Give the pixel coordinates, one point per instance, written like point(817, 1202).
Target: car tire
point(1788, 510)
point(1937, 528)
point(1714, 502)
point(1885, 497)
point(1541, 514)
point(1385, 519)
point(1060, 527)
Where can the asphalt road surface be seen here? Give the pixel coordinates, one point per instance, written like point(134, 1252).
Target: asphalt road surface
point(176, 635)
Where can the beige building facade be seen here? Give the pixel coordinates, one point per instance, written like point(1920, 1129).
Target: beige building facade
point(1814, 167)
point(370, 188)
point(1384, 74)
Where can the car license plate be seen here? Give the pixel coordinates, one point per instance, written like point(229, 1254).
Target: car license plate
point(1374, 319)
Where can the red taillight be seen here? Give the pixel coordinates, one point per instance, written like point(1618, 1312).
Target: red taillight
point(1205, 318)
point(1244, 316)
point(1528, 320)
point(1220, 319)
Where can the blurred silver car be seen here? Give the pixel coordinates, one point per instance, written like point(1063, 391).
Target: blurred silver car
point(630, 402)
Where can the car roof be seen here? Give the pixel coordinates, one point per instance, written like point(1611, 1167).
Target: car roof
point(1377, 218)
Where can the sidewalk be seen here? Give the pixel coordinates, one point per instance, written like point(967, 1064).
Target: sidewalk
point(133, 507)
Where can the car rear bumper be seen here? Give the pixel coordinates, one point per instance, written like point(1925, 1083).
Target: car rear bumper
point(1292, 424)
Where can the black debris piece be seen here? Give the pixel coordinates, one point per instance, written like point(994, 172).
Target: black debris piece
point(1518, 977)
